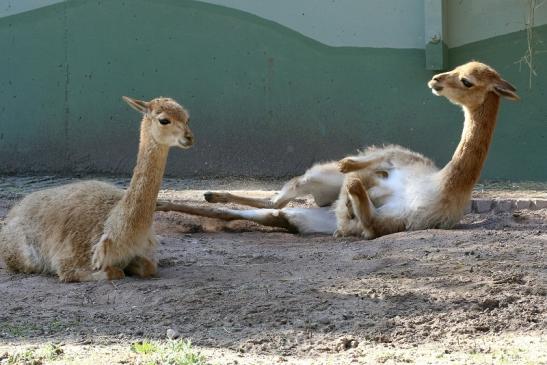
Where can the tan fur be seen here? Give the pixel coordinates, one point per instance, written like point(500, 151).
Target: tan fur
point(92, 230)
point(439, 197)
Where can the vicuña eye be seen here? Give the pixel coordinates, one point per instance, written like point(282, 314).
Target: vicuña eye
point(466, 83)
point(164, 121)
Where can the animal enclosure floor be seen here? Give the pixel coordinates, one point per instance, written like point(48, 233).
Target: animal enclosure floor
point(245, 294)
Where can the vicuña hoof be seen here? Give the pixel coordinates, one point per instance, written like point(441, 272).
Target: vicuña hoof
point(347, 164)
point(355, 187)
point(113, 273)
point(212, 197)
point(141, 267)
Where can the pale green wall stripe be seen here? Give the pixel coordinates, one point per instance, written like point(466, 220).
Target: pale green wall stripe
point(368, 23)
point(355, 23)
point(474, 20)
point(12, 7)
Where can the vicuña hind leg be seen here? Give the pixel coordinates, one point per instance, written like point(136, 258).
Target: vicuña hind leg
point(14, 259)
point(222, 197)
point(354, 163)
point(267, 217)
point(373, 225)
point(293, 188)
point(322, 181)
point(346, 223)
point(142, 267)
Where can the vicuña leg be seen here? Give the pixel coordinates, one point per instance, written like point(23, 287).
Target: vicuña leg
point(322, 181)
point(354, 163)
point(295, 220)
point(267, 217)
point(222, 197)
point(373, 224)
point(69, 274)
point(142, 267)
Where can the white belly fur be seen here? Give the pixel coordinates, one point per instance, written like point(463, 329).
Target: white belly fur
point(312, 220)
point(411, 192)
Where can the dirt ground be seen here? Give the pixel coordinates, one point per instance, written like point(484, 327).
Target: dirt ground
point(245, 294)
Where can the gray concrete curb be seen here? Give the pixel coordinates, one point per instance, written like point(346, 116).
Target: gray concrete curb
point(481, 205)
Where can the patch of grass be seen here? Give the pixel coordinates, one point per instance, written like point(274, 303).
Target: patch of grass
point(172, 352)
point(35, 356)
point(144, 347)
point(52, 351)
point(26, 357)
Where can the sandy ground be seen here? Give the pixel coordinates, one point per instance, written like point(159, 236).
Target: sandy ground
point(246, 294)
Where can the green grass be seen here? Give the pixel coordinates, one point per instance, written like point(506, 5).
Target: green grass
point(144, 347)
point(35, 356)
point(52, 351)
point(172, 352)
point(27, 356)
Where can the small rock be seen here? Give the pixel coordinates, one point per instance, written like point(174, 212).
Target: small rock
point(172, 334)
point(489, 303)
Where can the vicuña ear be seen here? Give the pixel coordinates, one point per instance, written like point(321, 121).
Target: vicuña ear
point(505, 89)
point(138, 105)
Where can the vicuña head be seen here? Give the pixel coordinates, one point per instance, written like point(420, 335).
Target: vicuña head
point(468, 85)
point(166, 121)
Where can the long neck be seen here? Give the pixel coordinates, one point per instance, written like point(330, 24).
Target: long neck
point(462, 172)
point(139, 202)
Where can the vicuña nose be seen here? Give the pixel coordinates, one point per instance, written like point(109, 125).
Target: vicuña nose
point(439, 77)
point(189, 137)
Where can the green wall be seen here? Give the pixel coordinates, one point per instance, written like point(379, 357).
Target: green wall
point(265, 100)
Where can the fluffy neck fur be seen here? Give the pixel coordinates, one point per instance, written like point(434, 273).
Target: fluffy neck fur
point(138, 204)
point(462, 172)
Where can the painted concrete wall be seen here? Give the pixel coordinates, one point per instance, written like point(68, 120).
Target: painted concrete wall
point(265, 99)
point(369, 23)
